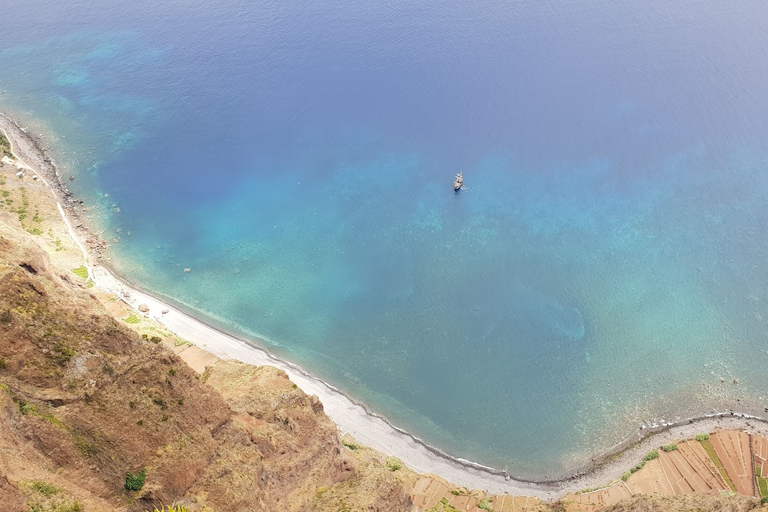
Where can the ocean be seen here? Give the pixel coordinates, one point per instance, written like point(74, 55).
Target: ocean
point(606, 265)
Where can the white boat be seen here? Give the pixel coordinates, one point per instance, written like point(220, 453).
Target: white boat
point(459, 181)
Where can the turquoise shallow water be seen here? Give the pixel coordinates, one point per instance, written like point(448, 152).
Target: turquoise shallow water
point(605, 266)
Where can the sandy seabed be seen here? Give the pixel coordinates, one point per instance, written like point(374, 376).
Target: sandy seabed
point(350, 416)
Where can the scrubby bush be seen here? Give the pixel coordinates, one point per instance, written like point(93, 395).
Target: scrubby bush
point(626, 476)
point(669, 447)
point(135, 481)
point(350, 445)
point(393, 463)
point(702, 437)
point(653, 454)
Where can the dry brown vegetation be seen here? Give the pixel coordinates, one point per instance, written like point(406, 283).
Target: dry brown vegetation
point(686, 503)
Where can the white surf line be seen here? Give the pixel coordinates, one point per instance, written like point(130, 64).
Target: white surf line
point(63, 214)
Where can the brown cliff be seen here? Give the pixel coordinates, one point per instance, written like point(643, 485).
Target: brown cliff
point(85, 401)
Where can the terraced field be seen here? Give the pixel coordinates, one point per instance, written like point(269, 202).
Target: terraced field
point(723, 463)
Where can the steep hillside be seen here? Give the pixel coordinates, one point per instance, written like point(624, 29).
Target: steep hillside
point(85, 401)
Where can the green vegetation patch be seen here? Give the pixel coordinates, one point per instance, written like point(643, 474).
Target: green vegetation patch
point(707, 444)
point(638, 467)
point(5, 145)
point(592, 489)
point(669, 447)
point(46, 497)
point(81, 271)
point(63, 352)
point(762, 483)
point(443, 506)
point(133, 319)
point(135, 481)
point(653, 454)
point(350, 445)
point(44, 488)
point(486, 504)
point(393, 463)
point(59, 506)
point(702, 437)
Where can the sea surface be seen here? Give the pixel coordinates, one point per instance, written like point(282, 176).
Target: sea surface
point(606, 265)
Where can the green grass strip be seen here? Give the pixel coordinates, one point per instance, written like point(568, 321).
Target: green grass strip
point(707, 444)
point(81, 271)
point(762, 483)
point(133, 319)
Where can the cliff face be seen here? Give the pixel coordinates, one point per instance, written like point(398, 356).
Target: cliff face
point(85, 401)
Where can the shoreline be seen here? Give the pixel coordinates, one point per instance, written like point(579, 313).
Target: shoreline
point(351, 416)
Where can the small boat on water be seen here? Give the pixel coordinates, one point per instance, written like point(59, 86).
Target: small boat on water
point(459, 181)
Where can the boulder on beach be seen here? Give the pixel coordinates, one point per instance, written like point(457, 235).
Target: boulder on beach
point(165, 312)
point(144, 308)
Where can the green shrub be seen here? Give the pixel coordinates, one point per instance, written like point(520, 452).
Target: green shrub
point(351, 446)
point(485, 504)
point(135, 481)
point(653, 454)
point(3, 364)
point(44, 488)
point(132, 319)
point(626, 476)
point(63, 352)
point(393, 463)
point(669, 447)
point(702, 437)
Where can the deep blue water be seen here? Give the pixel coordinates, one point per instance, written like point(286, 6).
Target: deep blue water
point(605, 266)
